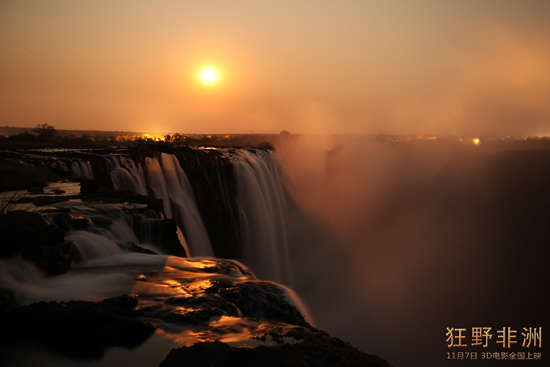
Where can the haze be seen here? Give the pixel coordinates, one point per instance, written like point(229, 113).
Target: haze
point(428, 67)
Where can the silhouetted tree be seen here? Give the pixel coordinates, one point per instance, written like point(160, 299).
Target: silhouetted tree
point(45, 131)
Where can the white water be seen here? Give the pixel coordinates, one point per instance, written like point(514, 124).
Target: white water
point(82, 169)
point(126, 175)
point(92, 245)
point(157, 183)
point(168, 182)
point(263, 215)
point(261, 202)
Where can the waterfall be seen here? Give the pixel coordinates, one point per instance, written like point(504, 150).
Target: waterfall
point(169, 182)
point(98, 242)
point(261, 205)
point(82, 169)
point(263, 214)
point(120, 230)
point(157, 183)
point(92, 245)
point(124, 179)
point(126, 175)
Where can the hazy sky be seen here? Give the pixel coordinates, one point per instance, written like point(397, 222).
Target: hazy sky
point(427, 66)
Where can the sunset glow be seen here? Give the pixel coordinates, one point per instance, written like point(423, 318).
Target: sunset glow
point(245, 68)
point(209, 75)
point(286, 183)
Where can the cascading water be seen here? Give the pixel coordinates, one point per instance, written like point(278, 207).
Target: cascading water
point(263, 214)
point(168, 182)
point(127, 246)
point(260, 199)
point(96, 242)
point(157, 183)
point(126, 175)
point(92, 245)
point(82, 169)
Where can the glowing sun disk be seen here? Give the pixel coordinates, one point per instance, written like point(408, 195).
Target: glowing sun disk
point(209, 75)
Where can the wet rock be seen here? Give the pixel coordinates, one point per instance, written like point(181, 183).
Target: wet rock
point(132, 247)
point(124, 197)
point(102, 221)
point(30, 236)
point(77, 328)
point(211, 176)
point(17, 174)
point(7, 300)
point(160, 232)
point(263, 300)
point(228, 267)
point(81, 223)
point(36, 189)
point(255, 300)
point(204, 307)
point(194, 317)
point(46, 199)
point(90, 186)
point(316, 349)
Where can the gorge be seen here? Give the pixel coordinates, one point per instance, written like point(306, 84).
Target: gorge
point(154, 248)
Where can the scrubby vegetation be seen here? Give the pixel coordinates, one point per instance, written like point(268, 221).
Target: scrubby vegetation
point(45, 136)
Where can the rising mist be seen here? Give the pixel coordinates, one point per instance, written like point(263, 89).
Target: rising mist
point(413, 237)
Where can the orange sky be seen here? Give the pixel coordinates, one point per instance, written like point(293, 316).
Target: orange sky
point(428, 66)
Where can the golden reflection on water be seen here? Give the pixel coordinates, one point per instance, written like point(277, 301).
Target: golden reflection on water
point(179, 278)
point(237, 331)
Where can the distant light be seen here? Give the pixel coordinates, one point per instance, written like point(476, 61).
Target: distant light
point(476, 141)
point(153, 137)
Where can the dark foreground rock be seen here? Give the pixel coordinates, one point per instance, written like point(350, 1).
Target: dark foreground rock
point(17, 175)
point(28, 235)
point(76, 328)
point(262, 301)
point(160, 232)
point(201, 303)
point(315, 349)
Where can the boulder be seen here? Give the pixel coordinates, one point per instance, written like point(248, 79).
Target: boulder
point(77, 328)
point(160, 232)
point(19, 175)
point(263, 300)
point(27, 234)
point(316, 349)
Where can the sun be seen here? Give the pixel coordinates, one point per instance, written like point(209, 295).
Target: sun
point(209, 75)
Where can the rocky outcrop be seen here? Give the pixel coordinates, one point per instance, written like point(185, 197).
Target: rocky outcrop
point(16, 174)
point(309, 348)
point(262, 300)
point(76, 328)
point(28, 235)
point(160, 232)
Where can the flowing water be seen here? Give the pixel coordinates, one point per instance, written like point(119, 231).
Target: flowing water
point(260, 198)
point(113, 255)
